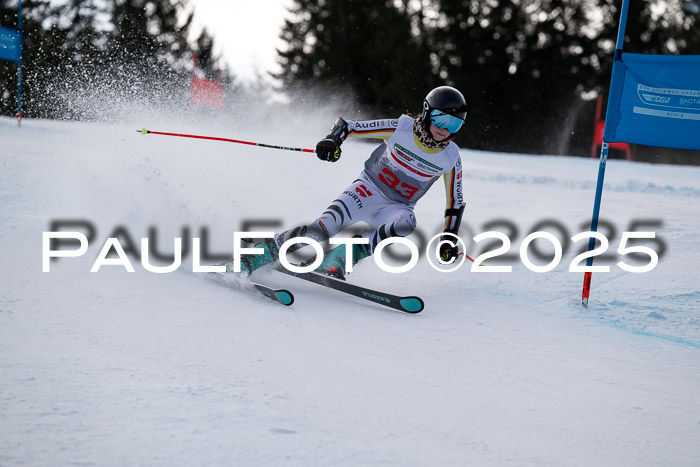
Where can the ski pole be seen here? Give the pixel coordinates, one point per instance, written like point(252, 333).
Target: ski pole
point(144, 131)
point(468, 257)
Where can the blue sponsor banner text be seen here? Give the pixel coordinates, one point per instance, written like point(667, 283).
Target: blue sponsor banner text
point(656, 101)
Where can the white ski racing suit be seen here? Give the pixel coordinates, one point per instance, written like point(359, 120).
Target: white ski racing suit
point(396, 175)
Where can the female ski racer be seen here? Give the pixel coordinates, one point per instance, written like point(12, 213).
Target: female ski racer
point(396, 175)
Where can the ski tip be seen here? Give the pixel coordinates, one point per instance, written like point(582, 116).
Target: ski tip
point(412, 304)
point(285, 297)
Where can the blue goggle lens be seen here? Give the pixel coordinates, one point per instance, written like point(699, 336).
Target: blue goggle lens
point(442, 120)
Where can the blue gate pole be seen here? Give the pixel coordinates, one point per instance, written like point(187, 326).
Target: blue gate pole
point(585, 294)
point(19, 66)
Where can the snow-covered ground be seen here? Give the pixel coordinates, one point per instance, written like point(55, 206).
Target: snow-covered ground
point(118, 368)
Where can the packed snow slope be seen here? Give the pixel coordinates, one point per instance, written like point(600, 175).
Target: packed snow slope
point(119, 368)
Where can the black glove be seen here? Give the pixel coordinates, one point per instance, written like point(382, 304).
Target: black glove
point(328, 150)
point(448, 250)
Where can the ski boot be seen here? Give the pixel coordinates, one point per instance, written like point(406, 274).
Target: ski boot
point(333, 264)
point(250, 263)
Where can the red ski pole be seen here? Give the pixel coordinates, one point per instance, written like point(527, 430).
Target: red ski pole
point(468, 257)
point(144, 131)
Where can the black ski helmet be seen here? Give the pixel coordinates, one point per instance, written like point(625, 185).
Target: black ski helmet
point(446, 99)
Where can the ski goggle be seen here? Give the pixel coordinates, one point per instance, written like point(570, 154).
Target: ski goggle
point(442, 120)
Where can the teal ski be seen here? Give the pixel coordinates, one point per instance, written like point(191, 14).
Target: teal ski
point(410, 304)
point(283, 296)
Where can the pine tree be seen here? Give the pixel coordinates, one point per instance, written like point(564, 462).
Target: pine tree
point(365, 49)
point(150, 34)
point(41, 50)
point(526, 66)
point(529, 69)
point(207, 62)
point(143, 42)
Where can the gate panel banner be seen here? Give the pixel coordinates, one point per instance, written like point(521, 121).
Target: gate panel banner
point(10, 44)
point(655, 101)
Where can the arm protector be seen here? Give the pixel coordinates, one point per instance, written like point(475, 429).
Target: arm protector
point(328, 149)
point(453, 218)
